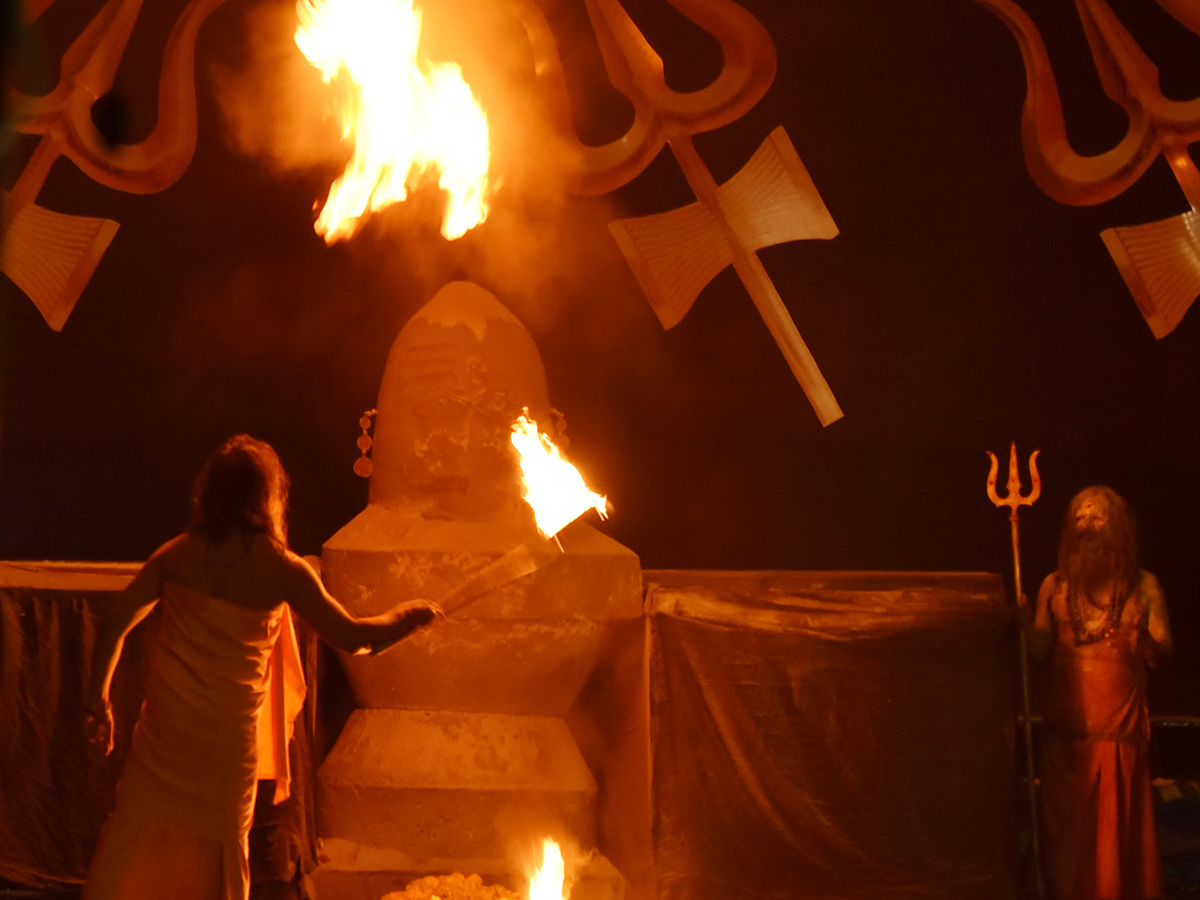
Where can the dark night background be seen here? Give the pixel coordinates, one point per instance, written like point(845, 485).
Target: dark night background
point(959, 309)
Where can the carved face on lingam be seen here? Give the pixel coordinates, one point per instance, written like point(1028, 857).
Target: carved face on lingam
point(458, 375)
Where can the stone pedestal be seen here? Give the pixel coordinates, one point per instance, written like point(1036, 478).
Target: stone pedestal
point(487, 732)
point(448, 789)
point(461, 758)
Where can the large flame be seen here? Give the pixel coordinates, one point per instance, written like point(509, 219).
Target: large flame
point(400, 118)
point(546, 883)
point(553, 487)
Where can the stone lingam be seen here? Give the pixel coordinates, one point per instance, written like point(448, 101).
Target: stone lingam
point(522, 715)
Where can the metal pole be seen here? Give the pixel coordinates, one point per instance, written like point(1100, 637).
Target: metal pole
point(1035, 849)
point(1013, 501)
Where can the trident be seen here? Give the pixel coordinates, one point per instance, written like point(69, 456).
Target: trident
point(1160, 261)
point(771, 200)
point(52, 256)
point(1013, 501)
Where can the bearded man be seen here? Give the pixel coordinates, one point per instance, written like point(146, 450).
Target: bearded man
point(1102, 621)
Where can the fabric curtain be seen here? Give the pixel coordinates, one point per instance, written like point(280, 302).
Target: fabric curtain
point(840, 735)
point(55, 789)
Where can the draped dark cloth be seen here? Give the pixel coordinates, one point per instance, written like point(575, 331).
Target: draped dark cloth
point(55, 790)
point(832, 735)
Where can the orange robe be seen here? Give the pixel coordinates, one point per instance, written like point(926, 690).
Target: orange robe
point(1097, 806)
point(225, 682)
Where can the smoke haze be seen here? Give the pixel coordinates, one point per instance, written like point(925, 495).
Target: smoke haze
point(540, 247)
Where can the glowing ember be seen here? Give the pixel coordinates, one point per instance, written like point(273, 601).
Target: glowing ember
point(546, 883)
point(553, 487)
point(400, 118)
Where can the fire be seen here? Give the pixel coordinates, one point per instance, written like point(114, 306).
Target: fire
point(402, 118)
point(546, 883)
point(553, 487)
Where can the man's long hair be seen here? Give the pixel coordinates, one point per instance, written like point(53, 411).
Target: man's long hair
point(242, 486)
point(1090, 561)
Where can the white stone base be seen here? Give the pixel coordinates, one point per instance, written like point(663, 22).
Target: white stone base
point(441, 787)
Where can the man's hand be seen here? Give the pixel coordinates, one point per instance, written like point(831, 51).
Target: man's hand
point(98, 724)
point(403, 619)
point(1024, 610)
point(1039, 630)
point(408, 617)
point(1153, 628)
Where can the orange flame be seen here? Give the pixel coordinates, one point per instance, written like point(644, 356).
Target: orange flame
point(547, 882)
point(553, 487)
point(399, 119)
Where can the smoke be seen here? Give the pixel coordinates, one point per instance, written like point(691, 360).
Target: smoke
point(276, 109)
point(274, 106)
point(540, 243)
